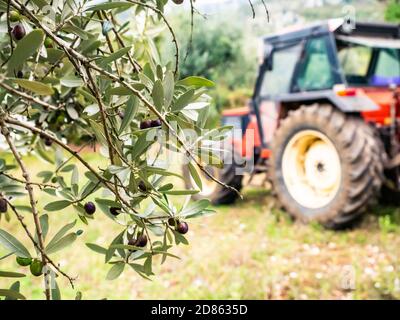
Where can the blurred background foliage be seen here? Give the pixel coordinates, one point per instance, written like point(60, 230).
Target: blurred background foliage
point(392, 13)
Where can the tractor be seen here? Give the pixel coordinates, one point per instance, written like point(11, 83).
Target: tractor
point(324, 123)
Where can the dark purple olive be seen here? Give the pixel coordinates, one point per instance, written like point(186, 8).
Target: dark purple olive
point(142, 186)
point(145, 124)
point(132, 242)
point(3, 206)
point(156, 123)
point(20, 74)
point(90, 208)
point(18, 31)
point(48, 142)
point(182, 227)
point(141, 241)
point(115, 211)
point(171, 222)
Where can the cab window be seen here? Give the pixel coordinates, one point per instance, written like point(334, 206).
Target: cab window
point(278, 80)
point(388, 64)
point(315, 70)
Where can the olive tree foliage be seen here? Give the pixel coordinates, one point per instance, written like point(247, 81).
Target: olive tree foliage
point(77, 74)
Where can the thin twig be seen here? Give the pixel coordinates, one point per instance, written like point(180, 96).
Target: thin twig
point(174, 39)
point(190, 45)
point(266, 9)
point(252, 9)
point(135, 65)
point(9, 27)
point(29, 97)
point(38, 184)
point(28, 233)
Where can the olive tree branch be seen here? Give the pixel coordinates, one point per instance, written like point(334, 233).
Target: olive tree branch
point(29, 98)
point(6, 133)
point(38, 184)
point(166, 123)
point(82, 59)
point(9, 26)
point(61, 144)
point(51, 69)
point(103, 117)
point(189, 48)
point(109, 185)
point(109, 43)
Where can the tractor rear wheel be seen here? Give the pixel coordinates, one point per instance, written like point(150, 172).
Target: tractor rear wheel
point(325, 166)
point(217, 194)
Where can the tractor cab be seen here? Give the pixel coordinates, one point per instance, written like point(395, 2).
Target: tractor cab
point(357, 70)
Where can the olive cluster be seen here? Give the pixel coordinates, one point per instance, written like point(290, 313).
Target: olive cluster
point(35, 265)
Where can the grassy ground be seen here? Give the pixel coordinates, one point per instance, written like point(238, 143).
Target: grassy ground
point(246, 251)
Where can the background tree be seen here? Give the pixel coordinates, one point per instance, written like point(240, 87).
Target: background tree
point(392, 13)
point(85, 73)
point(220, 50)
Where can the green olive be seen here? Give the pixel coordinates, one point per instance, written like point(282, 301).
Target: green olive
point(36, 268)
point(14, 16)
point(24, 262)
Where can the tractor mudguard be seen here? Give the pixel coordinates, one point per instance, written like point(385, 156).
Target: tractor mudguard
point(359, 102)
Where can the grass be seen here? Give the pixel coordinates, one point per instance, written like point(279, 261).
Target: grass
point(249, 250)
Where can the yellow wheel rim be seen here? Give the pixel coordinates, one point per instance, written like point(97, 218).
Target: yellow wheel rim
point(311, 169)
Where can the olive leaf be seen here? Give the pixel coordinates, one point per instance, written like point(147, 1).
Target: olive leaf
point(183, 101)
point(34, 86)
point(115, 271)
point(96, 248)
point(15, 287)
point(61, 244)
point(57, 205)
point(132, 107)
point(109, 5)
point(158, 95)
point(11, 294)
point(196, 82)
point(114, 56)
point(9, 274)
point(13, 245)
point(61, 233)
point(25, 48)
point(195, 175)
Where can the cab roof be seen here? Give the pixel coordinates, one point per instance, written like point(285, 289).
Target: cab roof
point(364, 29)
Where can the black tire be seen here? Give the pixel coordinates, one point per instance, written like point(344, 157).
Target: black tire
point(390, 195)
point(220, 195)
point(360, 159)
